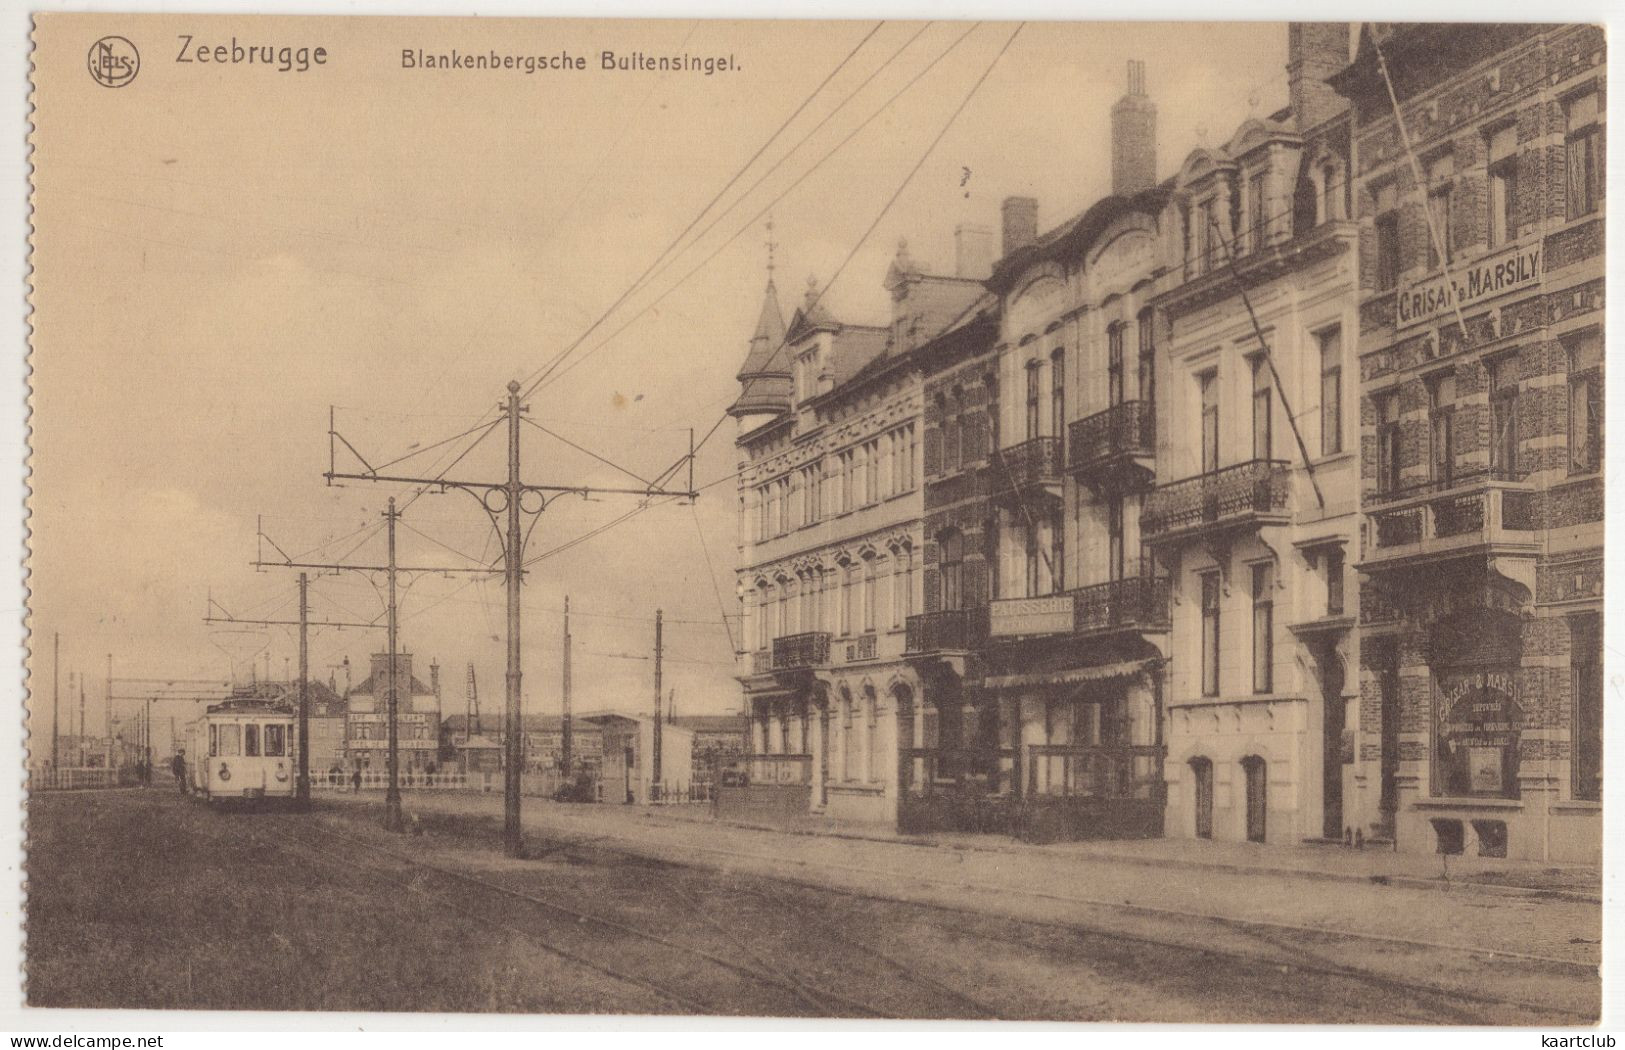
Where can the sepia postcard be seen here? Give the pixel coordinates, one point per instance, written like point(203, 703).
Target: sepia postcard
point(877, 520)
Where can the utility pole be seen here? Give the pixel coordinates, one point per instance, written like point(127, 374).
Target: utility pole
point(81, 720)
point(56, 697)
point(654, 764)
point(109, 710)
point(503, 503)
point(392, 796)
point(302, 784)
point(568, 742)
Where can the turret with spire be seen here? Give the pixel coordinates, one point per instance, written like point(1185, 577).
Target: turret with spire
point(765, 383)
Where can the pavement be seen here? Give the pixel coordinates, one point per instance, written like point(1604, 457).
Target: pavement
point(1247, 897)
point(1309, 860)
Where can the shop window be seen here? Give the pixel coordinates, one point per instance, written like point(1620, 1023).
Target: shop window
point(1478, 719)
point(1330, 341)
point(1501, 146)
point(1585, 400)
point(1584, 152)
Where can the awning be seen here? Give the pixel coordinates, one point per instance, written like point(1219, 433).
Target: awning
point(1069, 676)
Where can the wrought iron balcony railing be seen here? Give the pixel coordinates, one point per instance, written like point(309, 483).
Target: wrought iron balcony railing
point(1124, 430)
point(1435, 520)
point(1248, 491)
point(949, 629)
point(1035, 463)
point(809, 649)
point(1138, 601)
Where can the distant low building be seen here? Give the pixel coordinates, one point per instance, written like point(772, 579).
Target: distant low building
point(417, 717)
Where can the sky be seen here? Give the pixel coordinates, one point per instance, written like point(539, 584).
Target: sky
point(222, 254)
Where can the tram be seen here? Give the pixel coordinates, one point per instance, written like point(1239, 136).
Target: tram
point(242, 750)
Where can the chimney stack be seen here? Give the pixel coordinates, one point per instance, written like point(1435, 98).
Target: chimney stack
point(1020, 223)
point(973, 251)
point(1315, 50)
point(1134, 136)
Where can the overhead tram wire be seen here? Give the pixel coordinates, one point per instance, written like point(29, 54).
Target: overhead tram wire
point(547, 369)
point(589, 452)
point(745, 195)
point(1158, 285)
point(751, 222)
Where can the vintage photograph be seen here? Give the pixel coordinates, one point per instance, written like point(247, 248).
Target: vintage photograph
point(893, 519)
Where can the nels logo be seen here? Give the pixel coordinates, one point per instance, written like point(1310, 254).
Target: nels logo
point(114, 61)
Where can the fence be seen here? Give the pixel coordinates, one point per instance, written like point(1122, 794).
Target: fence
point(74, 778)
point(372, 780)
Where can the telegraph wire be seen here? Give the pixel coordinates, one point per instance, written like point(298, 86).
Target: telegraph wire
point(710, 571)
point(751, 222)
point(631, 289)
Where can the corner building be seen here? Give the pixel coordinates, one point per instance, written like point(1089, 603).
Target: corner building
point(1481, 483)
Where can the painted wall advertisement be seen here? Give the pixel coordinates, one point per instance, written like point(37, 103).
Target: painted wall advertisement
point(1476, 739)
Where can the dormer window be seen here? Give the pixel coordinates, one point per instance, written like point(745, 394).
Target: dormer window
point(1256, 216)
point(1205, 235)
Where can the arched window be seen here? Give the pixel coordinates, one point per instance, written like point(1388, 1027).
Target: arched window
point(951, 544)
point(766, 613)
point(1033, 380)
point(871, 733)
point(1057, 391)
point(1114, 363)
point(868, 609)
point(847, 766)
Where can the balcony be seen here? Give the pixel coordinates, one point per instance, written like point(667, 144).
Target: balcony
point(1114, 449)
point(951, 630)
point(864, 647)
point(1486, 513)
point(1132, 604)
point(1244, 496)
point(1030, 471)
point(810, 649)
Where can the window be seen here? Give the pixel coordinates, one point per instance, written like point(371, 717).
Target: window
point(1208, 384)
point(1057, 392)
point(214, 741)
point(1204, 237)
point(1334, 581)
point(1210, 634)
point(1148, 375)
point(952, 436)
point(870, 571)
point(1032, 400)
point(1584, 153)
point(1442, 428)
point(1504, 415)
point(1440, 175)
point(899, 589)
point(848, 469)
point(1255, 212)
point(1585, 669)
point(230, 740)
point(846, 736)
point(1263, 626)
point(1032, 560)
point(832, 486)
point(795, 504)
point(1263, 444)
point(1114, 363)
point(1501, 146)
point(1387, 228)
point(1388, 441)
point(849, 599)
point(276, 741)
point(1585, 400)
point(1114, 532)
point(1331, 390)
point(871, 478)
point(1057, 555)
point(1331, 194)
point(953, 568)
point(251, 741)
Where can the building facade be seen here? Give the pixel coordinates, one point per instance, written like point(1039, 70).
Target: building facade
point(417, 714)
point(830, 513)
point(1481, 377)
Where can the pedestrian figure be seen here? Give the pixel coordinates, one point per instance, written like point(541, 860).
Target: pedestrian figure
point(355, 780)
point(178, 767)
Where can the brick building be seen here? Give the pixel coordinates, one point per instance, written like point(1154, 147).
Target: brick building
point(1480, 356)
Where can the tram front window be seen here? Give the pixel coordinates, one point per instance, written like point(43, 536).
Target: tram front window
point(276, 741)
point(251, 740)
point(229, 740)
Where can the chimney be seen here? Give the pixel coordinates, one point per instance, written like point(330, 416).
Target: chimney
point(1315, 50)
point(1134, 136)
point(973, 251)
point(1020, 223)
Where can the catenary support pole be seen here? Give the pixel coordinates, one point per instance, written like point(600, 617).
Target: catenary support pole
point(512, 839)
point(56, 698)
point(302, 784)
point(567, 743)
point(392, 797)
point(654, 760)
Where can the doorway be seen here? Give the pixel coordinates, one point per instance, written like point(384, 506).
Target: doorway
point(1257, 802)
point(1331, 681)
point(1202, 778)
